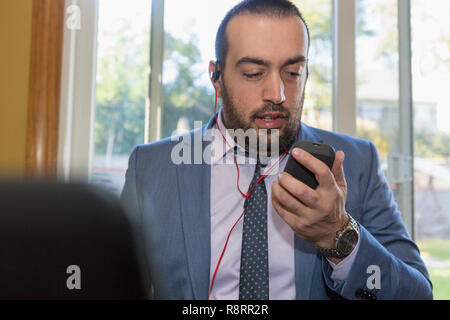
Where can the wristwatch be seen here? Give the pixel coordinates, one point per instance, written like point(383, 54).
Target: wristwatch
point(345, 241)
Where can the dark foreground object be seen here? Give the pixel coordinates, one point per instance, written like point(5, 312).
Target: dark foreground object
point(66, 241)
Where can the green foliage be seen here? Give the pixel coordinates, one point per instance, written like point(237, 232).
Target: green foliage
point(437, 248)
point(432, 144)
point(318, 15)
point(122, 80)
point(376, 136)
point(388, 32)
point(440, 277)
point(184, 96)
point(122, 89)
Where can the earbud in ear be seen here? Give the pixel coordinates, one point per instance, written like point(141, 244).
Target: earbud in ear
point(216, 74)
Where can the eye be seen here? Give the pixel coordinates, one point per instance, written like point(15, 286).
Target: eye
point(292, 75)
point(253, 76)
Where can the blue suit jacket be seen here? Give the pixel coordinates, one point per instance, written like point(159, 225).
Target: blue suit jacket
point(170, 207)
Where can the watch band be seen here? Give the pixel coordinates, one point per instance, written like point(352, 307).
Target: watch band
point(335, 252)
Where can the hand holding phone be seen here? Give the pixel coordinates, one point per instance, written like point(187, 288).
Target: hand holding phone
point(314, 215)
point(321, 151)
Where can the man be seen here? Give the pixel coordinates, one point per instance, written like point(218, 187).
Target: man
point(344, 239)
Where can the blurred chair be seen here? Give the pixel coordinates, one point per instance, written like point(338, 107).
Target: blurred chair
point(49, 230)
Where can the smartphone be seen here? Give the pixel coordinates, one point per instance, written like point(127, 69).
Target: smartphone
point(321, 151)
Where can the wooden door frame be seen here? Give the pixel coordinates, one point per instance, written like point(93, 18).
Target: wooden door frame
point(44, 88)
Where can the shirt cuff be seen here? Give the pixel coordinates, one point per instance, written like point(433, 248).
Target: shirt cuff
point(341, 269)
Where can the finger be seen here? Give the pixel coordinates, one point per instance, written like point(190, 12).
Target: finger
point(318, 168)
point(291, 219)
point(285, 199)
point(304, 213)
point(299, 190)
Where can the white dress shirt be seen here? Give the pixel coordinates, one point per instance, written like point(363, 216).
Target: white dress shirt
point(227, 206)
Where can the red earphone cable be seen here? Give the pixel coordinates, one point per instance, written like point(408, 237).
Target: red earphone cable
point(226, 141)
point(232, 228)
point(245, 195)
point(223, 252)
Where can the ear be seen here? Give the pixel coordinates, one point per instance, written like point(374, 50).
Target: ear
point(217, 87)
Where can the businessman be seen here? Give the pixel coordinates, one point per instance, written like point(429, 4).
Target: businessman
point(227, 229)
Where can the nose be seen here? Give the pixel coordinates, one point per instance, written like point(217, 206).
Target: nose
point(274, 89)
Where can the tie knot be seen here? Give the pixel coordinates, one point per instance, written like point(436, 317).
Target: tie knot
point(259, 164)
point(259, 169)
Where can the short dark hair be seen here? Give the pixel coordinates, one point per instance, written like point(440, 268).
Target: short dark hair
point(272, 8)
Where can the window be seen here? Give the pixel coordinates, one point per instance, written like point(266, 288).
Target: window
point(317, 109)
point(189, 34)
point(131, 33)
point(377, 73)
point(382, 95)
point(431, 76)
point(123, 43)
point(189, 46)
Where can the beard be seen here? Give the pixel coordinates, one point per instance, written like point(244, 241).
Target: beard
point(286, 135)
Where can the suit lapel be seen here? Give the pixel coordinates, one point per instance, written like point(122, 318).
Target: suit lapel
point(194, 182)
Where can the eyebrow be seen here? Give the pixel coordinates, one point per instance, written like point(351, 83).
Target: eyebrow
point(265, 63)
point(295, 60)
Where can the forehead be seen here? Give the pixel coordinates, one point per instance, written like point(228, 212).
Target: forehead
point(274, 39)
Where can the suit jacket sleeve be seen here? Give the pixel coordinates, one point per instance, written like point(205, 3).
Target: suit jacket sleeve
point(385, 246)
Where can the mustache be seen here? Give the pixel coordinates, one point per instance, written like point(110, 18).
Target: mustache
point(270, 107)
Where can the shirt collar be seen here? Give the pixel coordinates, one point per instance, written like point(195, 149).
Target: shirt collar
point(219, 148)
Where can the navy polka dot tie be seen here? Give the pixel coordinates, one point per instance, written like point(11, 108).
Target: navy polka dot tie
point(254, 273)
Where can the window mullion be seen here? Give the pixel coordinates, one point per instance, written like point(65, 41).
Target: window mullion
point(405, 147)
point(77, 105)
point(153, 112)
point(344, 67)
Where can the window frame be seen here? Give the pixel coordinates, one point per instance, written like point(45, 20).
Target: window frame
point(76, 123)
point(406, 115)
point(77, 104)
point(44, 89)
point(154, 107)
point(344, 96)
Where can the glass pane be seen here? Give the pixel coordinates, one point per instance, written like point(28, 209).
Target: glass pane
point(378, 103)
point(317, 110)
point(121, 87)
point(431, 79)
point(377, 90)
point(189, 46)
point(377, 85)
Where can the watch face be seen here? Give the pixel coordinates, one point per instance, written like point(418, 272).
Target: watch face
point(347, 241)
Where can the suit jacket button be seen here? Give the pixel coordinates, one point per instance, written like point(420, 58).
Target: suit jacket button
point(371, 296)
point(359, 293)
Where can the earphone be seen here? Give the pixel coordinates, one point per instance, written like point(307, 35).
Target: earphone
point(216, 74)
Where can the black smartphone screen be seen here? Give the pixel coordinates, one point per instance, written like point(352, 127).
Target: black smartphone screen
point(321, 151)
